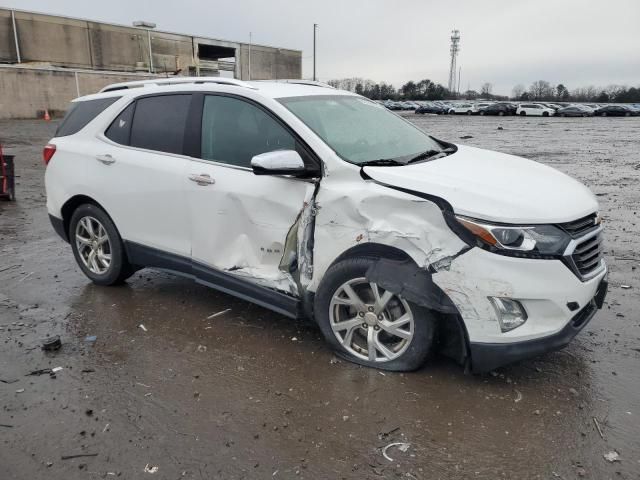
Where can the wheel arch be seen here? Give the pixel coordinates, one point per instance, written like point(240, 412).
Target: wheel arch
point(71, 205)
point(452, 337)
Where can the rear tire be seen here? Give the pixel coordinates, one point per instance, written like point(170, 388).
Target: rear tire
point(501, 113)
point(97, 246)
point(390, 333)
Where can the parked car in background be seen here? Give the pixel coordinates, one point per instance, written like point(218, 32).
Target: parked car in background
point(464, 109)
point(431, 108)
point(534, 109)
point(574, 111)
point(482, 105)
point(241, 186)
point(615, 111)
point(500, 109)
point(553, 106)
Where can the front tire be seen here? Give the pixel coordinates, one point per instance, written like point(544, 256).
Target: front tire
point(523, 114)
point(97, 246)
point(368, 325)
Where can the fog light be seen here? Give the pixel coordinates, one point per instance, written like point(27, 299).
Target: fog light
point(511, 313)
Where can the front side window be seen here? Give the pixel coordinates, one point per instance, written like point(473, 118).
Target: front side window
point(159, 123)
point(234, 131)
point(359, 130)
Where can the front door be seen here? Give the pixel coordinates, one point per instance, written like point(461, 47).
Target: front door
point(243, 225)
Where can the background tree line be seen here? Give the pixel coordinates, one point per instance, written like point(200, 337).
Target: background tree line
point(540, 90)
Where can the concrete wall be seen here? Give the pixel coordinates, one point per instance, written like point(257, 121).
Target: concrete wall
point(74, 43)
point(27, 92)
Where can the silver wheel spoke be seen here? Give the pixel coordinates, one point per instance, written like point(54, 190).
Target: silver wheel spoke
point(394, 328)
point(353, 297)
point(382, 302)
point(346, 325)
point(371, 345)
point(382, 348)
point(84, 241)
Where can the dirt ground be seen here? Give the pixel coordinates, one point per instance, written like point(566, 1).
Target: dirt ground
point(251, 394)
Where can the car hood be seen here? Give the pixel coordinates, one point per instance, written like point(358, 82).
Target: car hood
point(494, 186)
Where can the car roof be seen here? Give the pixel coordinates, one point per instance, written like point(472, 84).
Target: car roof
point(270, 89)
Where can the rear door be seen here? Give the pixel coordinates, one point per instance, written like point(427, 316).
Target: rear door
point(242, 224)
point(139, 173)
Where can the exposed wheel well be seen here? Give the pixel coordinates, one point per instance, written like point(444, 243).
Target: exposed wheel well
point(452, 337)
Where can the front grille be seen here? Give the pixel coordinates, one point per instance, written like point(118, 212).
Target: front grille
point(580, 226)
point(588, 254)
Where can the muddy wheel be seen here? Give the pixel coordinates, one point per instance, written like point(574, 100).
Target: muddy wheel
point(97, 246)
point(368, 325)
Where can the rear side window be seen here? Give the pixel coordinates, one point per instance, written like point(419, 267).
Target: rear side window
point(81, 113)
point(119, 131)
point(159, 123)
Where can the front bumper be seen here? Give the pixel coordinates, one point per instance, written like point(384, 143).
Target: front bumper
point(488, 356)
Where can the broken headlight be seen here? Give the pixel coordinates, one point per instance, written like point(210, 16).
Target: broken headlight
point(530, 241)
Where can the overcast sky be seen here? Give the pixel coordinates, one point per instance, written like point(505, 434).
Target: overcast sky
point(504, 42)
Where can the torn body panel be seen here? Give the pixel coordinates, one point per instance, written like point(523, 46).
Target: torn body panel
point(377, 214)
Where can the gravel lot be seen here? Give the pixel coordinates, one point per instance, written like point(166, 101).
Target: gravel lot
point(251, 394)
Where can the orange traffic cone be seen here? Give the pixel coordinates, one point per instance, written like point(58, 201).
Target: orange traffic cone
point(47, 117)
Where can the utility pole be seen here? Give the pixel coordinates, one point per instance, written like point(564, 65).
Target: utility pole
point(250, 55)
point(454, 49)
point(459, 73)
point(315, 27)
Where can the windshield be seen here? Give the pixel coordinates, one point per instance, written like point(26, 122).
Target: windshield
point(361, 131)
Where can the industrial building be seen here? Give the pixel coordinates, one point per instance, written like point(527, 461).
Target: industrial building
point(47, 60)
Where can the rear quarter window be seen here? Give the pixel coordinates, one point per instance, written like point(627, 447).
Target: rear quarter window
point(81, 113)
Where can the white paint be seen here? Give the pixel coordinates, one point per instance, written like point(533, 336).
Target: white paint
point(495, 186)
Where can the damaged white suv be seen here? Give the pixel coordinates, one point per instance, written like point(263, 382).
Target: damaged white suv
point(316, 202)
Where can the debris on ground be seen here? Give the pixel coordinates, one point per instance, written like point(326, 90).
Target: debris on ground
point(6, 425)
point(402, 446)
point(40, 371)
point(595, 421)
point(518, 396)
point(141, 326)
point(466, 137)
point(218, 314)
point(626, 287)
point(148, 469)
point(52, 343)
point(78, 455)
point(56, 369)
point(612, 456)
point(202, 348)
point(20, 390)
point(90, 338)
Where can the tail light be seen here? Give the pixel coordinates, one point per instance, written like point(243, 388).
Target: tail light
point(48, 152)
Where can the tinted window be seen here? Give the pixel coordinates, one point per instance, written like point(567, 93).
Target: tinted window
point(81, 113)
point(120, 128)
point(159, 123)
point(234, 131)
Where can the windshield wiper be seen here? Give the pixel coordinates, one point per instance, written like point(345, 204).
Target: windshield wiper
point(432, 154)
point(381, 162)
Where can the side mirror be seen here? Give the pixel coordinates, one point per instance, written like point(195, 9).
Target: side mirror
point(278, 162)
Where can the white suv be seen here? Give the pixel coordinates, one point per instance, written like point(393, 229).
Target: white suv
point(316, 202)
point(535, 109)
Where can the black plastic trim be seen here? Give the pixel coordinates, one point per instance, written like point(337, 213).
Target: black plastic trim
point(488, 356)
point(58, 226)
point(279, 302)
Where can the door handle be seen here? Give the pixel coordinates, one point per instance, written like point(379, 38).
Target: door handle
point(105, 159)
point(202, 179)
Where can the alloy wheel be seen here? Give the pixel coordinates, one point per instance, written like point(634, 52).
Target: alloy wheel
point(369, 322)
point(93, 244)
